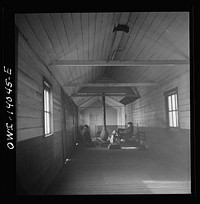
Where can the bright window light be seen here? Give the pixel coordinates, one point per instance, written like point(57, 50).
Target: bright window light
point(48, 109)
point(171, 98)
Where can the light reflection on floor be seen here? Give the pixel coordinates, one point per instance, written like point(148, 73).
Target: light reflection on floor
point(99, 170)
point(168, 187)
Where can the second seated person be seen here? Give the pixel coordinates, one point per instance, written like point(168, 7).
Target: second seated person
point(128, 132)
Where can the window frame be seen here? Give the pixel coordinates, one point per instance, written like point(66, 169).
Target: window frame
point(167, 111)
point(48, 86)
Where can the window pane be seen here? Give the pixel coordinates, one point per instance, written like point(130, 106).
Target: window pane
point(170, 119)
point(47, 107)
point(48, 123)
point(45, 99)
point(45, 123)
point(173, 102)
point(174, 119)
point(169, 103)
point(47, 120)
point(176, 102)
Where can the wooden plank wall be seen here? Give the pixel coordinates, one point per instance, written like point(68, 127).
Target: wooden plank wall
point(149, 113)
point(149, 110)
point(38, 158)
point(30, 96)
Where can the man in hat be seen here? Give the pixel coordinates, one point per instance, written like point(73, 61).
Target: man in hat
point(128, 132)
point(86, 139)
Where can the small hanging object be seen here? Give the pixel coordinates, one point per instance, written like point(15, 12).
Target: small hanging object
point(121, 27)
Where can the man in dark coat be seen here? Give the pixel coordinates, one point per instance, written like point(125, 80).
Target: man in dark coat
point(86, 135)
point(128, 132)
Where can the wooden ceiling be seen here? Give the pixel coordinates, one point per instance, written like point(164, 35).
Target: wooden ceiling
point(89, 36)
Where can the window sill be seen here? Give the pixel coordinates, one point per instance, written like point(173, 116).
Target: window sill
point(48, 135)
point(174, 129)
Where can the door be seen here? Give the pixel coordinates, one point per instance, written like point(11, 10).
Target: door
point(63, 126)
point(75, 125)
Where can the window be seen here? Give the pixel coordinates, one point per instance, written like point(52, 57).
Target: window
point(48, 109)
point(171, 101)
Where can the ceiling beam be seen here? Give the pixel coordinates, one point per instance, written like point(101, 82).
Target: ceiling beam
point(94, 95)
point(111, 84)
point(106, 90)
point(60, 63)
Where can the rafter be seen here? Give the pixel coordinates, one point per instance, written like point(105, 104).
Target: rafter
point(101, 94)
point(61, 63)
point(111, 84)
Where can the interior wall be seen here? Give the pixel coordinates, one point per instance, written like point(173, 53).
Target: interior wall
point(39, 158)
point(148, 113)
point(121, 117)
point(92, 116)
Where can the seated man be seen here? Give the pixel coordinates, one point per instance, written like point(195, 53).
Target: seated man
point(128, 132)
point(86, 135)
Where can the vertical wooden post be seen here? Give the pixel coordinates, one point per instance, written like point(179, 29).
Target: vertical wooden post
point(104, 110)
point(104, 133)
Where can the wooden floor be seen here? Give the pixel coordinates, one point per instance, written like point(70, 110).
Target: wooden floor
point(97, 170)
